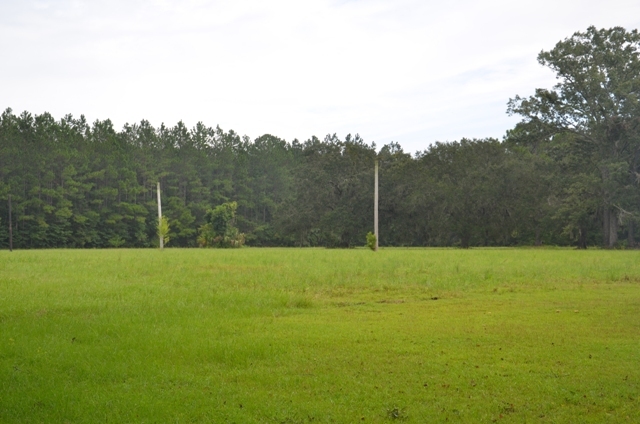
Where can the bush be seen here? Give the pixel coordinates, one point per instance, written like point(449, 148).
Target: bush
point(220, 231)
point(163, 230)
point(371, 240)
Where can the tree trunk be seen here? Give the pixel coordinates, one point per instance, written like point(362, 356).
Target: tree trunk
point(631, 242)
point(538, 241)
point(606, 221)
point(582, 240)
point(613, 228)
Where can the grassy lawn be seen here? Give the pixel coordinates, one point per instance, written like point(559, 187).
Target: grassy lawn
point(316, 335)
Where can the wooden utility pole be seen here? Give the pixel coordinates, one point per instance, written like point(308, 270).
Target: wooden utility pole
point(10, 228)
point(375, 209)
point(160, 218)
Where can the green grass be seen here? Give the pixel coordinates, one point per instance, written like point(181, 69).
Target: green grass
point(315, 335)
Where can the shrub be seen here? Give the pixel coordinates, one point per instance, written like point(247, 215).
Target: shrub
point(220, 230)
point(371, 240)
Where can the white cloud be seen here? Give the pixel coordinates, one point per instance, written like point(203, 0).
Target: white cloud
point(404, 70)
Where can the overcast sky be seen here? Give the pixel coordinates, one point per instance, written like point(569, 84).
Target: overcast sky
point(409, 71)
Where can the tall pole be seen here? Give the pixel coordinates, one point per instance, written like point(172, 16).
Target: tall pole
point(160, 217)
point(375, 208)
point(10, 228)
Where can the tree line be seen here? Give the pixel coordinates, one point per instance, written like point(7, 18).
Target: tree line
point(567, 174)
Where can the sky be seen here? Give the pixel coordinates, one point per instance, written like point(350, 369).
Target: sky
point(408, 71)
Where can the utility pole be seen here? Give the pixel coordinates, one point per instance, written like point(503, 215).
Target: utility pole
point(160, 217)
point(375, 209)
point(10, 228)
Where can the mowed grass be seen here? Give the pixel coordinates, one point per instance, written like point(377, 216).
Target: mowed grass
point(316, 335)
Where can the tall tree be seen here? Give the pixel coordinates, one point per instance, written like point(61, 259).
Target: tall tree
point(597, 101)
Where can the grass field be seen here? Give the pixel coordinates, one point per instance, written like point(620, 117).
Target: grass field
point(316, 335)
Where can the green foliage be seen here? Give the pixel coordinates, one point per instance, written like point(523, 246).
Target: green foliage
point(589, 122)
point(220, 231)
point(567, 174)
point(371, 241)
point(332, 181)
point(116, 241)
point(163, 230)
